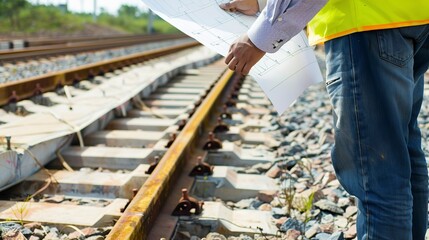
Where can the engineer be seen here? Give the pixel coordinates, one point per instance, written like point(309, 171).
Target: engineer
point(376, 55)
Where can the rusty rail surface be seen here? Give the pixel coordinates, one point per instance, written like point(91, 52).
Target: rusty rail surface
point(14, 55)
point(139, 217)
point(26, 88)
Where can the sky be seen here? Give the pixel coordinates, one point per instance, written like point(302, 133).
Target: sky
point(111, 6)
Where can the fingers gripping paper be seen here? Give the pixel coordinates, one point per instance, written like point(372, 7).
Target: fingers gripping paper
point(283, 75)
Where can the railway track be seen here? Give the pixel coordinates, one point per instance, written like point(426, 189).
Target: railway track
point(44, 41)
point(80, 45)
point(149, 138)
point(10, 92)
point(172, 100)
point(125, 143)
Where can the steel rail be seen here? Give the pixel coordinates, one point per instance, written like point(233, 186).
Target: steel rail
point(139, 217)
point(26, 88)
point(34, 42)
point(71, 44)
point(74, 47)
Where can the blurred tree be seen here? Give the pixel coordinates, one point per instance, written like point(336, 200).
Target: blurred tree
point(129, 11)
point(11, 9)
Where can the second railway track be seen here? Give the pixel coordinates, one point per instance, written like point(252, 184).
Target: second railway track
point(16, 55)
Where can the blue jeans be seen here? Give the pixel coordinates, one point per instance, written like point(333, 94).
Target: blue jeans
point(375, 83)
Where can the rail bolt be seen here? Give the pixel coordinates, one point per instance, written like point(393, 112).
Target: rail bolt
point(187, 205)
point(225, 113)
point(38, 90)
point(135, 190)
point(212, 143)
point(234, 95)
point(237, 86)
point(221, 126)
point(172, 138)
point(191, 112)
point(206, 93)
point(198, 103)
point(182, 124)
point(202, 168)
point(231, 102)
point(13, 98)
point(153, 165)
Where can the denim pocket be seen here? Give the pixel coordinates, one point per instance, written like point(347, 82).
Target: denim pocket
point(334, 86)
point(393, 47)
point(332, 81)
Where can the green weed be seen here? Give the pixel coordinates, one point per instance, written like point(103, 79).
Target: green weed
point(21, 210)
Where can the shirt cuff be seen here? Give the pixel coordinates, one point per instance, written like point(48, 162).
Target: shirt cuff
point(263, 36)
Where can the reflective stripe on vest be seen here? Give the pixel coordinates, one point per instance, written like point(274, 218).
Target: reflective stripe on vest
point(341, 17)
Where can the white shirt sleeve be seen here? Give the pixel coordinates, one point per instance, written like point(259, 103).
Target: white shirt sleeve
point(281, 20)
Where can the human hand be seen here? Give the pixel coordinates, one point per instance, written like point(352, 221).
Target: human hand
point(243, 55)
point(248, 7)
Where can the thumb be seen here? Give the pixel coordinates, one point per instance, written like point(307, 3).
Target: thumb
point(230, 6)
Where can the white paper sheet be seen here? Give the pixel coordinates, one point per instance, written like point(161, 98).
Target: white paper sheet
point(283, 75)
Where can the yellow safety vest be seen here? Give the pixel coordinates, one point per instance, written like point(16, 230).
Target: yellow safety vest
point(342, 17)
